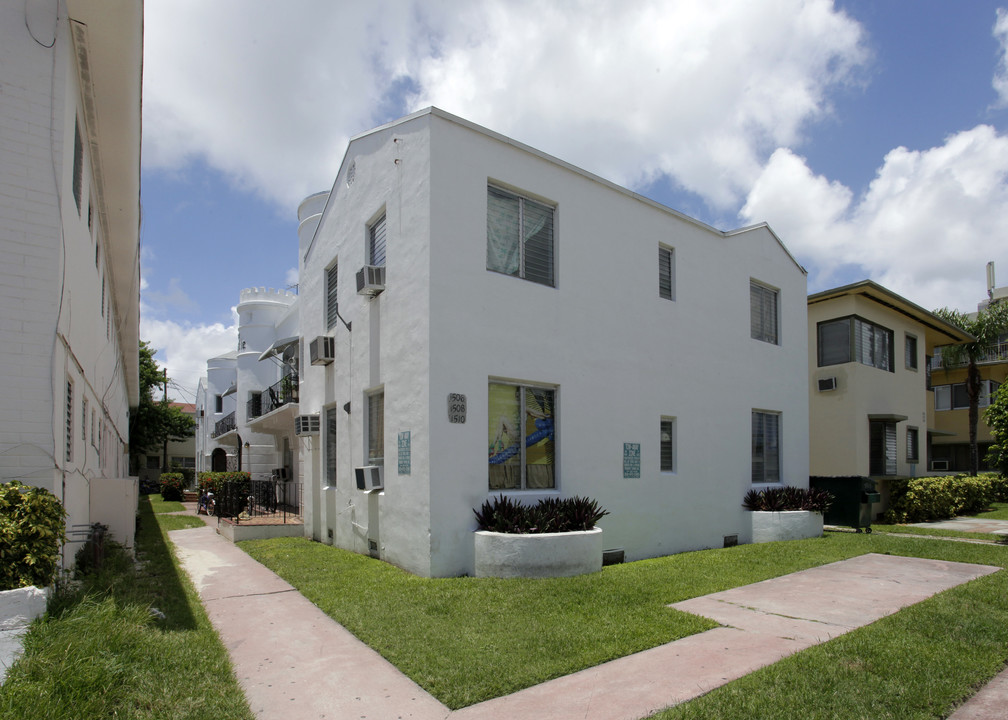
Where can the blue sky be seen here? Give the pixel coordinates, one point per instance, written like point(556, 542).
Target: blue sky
point(869, 135)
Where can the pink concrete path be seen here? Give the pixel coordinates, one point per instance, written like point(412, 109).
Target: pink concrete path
point(294, 662)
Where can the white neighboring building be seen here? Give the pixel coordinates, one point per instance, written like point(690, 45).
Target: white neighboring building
point(70, 87)
point(537, 331)
point(247, 402)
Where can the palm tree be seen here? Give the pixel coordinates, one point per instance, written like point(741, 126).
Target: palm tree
point(986, 326)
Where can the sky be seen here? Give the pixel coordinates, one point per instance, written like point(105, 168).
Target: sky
point(871, 136)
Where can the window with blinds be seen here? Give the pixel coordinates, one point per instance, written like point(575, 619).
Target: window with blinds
point(667, 444)
point(376, 242)
point(69, 420)
point(332, 304)
point(330, 446)
point(912, 443)
point(910, 352)
point(376, 428)
point(762, 312)
point(852, 339)
point(765, 447)
point(519, 236)
point(881, 447)
point(666, 273)
point(78, 165)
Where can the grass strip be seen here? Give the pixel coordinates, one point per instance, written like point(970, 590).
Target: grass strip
point(99, 651)
point(934, 532)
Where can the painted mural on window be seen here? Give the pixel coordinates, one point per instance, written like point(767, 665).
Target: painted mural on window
point(521, 437)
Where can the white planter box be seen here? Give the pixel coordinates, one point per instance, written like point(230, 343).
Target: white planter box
point(786, 525)
point(538, 555)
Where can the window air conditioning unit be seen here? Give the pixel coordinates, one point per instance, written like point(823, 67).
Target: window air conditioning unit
point(322, 350)
point(826, 384)
point(369, 478)
point(371, 280)
point(939, 464)
point(307, 425)
point(280, 474)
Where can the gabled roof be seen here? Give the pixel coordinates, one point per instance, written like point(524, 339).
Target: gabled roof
point(438, 113)
point(871, 290)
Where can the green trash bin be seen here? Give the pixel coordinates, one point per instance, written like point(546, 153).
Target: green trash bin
point(853, 497)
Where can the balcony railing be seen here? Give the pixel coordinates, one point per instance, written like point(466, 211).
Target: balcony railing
point(224, 425)
point(995, 353)
point(275, 396)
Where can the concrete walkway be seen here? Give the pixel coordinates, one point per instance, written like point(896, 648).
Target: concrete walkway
point(294, 662)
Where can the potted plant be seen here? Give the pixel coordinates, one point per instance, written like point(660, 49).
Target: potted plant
point(553, 538)
point(786, 513)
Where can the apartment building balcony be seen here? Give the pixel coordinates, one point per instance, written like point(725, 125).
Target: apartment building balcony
point(273, 410)
point(995, 353)
point(225, 425)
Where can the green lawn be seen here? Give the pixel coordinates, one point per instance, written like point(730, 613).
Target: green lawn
point(101, 654)
point(467, 640)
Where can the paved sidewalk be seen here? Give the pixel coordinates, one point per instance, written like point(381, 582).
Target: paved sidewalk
point(294, 662)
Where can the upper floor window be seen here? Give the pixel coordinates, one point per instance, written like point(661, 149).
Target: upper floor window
point(956, 397)
point(910, 352)
point(332, 305)
point(519, 236)
point(78, 166)
point(376, 242)
point(522, 437)
point(376, 428)
point(666, 272)
point(763, 312)
point(852, 339)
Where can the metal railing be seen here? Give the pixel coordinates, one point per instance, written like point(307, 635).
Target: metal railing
point(996, 352)
point(279, 394)
point(272, 500)
point(224, 425)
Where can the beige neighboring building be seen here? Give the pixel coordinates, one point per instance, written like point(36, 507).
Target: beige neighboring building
point(181, 453)
point(869, 405)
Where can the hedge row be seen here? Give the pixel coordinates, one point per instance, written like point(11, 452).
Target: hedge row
point(172, 485)
point(926, 499)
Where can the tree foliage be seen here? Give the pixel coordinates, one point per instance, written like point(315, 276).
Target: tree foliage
point(986, 326)
point(997, 420)
point(153, 421)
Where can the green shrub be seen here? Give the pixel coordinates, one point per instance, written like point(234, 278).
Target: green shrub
point(188, 474)
point(549, 515)
point(32, 523)
point(926, 499)
point(172, 485)
point(787, 497)
point(230, 489)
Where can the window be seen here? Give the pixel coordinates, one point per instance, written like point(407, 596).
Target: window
point(912, 442)
point(666, 272)
point(332, 304)
point(78, 165)
point(94, 429)
point(153, 462)
point(330, 447)
point(183, 462)
point(667, 444)
point(519, 236)
point(956, 397)
point(522, 437)
point(762, 312)
point(376, 242)
point(69, 420)
point(910, 352)
point(83, 422)
point(376, 428)
point(852, 339)
point(765, 447)
point(218, 403)
point(881, 447)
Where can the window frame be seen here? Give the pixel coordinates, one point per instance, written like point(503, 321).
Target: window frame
point(761, 416)
point(759, 314)
point(331, 447)
point(376, 241)
point(523, 389)
point(889, 460)
point(374, 426)
point(856, 328)
point(666, 272)
point(912, 444)
point(667, 455)
point(523, 242)
point(78, 165)
point(69, 420)
point(910, 351)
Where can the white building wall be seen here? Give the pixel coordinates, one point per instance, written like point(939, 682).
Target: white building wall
point(620, 356)
point(65, 313)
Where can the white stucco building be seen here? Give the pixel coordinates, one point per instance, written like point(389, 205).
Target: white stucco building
point(247, 402)
point(535, 330)
point(70, 86)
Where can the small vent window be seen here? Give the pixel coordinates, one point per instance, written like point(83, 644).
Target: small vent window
point(376, 242)
point(666, 273)
point(332, 305)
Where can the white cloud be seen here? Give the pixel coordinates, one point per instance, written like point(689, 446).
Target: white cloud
point(1000, 81)
point(701, 90)
point(925, 228)
point(185, 348)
